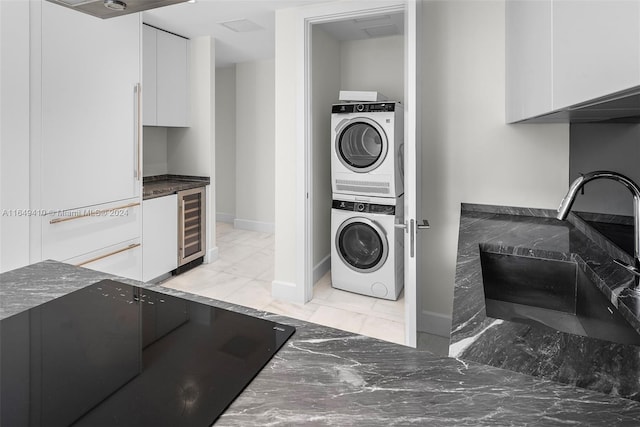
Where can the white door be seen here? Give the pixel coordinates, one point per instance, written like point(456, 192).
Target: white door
point(412, 173)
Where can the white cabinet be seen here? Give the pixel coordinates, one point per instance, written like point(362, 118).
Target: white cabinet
point(529, 59)
point(103, 237)
point(71, 233)
point(89, 139)
point(123, 260)
point(596, 49)
point(165, 79)
point(159, 236)
point(149, 81)
point(85, 139)
point(560, 53)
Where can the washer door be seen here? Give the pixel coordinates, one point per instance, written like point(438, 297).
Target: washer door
point(362, 245)
point(361, 144)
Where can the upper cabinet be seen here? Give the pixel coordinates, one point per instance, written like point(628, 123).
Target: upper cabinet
point(563, 54)
point(165, 78)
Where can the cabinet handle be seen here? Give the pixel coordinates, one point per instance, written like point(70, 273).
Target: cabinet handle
point(182, 227)
point(131, 246)
point(138, 130)
point(93, 213)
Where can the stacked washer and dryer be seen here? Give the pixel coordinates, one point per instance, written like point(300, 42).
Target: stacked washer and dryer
point(367, 184)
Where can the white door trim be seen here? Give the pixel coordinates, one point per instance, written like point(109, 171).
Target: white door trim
point(304, 170)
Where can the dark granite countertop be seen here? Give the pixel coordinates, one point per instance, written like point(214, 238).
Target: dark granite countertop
point(583, 361)
point(324, 376)
point(164, 185)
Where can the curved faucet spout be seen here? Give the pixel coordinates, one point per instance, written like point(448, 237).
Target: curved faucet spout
point(567, 202)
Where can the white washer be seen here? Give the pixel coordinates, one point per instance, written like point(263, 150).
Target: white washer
point(367, 251)
point(367, 154)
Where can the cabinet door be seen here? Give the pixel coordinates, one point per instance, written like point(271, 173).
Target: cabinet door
point(89, 129)
point(149, 41)
point(159, 236)
point(528, 55)
point(596, 49)
point(69, 234)
point(172, 80)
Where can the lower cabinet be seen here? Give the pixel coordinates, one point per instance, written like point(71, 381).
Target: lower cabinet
point(124, 259)
point(159, 236)
point(102, 237)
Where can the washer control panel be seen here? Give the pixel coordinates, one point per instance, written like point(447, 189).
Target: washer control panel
point(364, 207)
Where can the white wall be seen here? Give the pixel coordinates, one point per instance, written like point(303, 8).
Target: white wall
point(255, 145)
point(225, 179)
point(469, 153)
point(605, 146)
point(325, 89)
point(154, 158)
point(374, 64)
point(286, 76)
point(14, 134)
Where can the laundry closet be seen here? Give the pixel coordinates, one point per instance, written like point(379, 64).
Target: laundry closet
point(350, 55)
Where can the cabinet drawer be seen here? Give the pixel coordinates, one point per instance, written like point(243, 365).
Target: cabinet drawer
point(76, 232)
point(123, 259)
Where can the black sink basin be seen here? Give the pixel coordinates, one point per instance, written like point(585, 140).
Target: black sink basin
point(550, 293)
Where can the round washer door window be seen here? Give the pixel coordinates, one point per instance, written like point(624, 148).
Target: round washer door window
point(362, 245)
point(361, 145)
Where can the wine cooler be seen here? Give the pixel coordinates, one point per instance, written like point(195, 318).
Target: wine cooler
point(191, 227)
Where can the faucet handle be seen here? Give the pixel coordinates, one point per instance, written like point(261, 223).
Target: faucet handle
point(630, 268)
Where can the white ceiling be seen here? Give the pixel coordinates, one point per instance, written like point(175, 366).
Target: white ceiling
point(204, 18)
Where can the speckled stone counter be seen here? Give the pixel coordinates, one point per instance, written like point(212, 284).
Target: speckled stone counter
point(324, 376)
point(164, 185)
point(586, 362)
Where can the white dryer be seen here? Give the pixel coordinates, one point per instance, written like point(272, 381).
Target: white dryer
point(367, 254)
point(367, 154)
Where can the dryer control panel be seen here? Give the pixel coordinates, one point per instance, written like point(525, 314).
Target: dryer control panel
point(364, 107)
point(364, 207)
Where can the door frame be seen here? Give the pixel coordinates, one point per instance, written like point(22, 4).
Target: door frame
point(304, 169)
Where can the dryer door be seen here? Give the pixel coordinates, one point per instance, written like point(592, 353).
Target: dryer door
point(361, 144)
point(362, 245)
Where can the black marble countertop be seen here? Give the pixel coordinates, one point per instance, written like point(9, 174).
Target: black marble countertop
point(586, 362)
point(164, 185)
point(324, 376)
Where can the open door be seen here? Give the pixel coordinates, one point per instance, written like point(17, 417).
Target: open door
point(412, 173)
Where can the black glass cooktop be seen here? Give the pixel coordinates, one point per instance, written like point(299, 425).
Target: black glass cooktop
point(112, 354)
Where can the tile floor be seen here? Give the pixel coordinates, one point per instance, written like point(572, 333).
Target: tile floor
point(243, 273)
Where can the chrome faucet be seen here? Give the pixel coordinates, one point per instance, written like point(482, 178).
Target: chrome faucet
point(568, 200)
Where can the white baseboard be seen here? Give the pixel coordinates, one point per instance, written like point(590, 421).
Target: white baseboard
point(212, 255)
point(225, 217)
point(286, 291)
point(434, 323)
point(247, 224)
point(321, 268)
